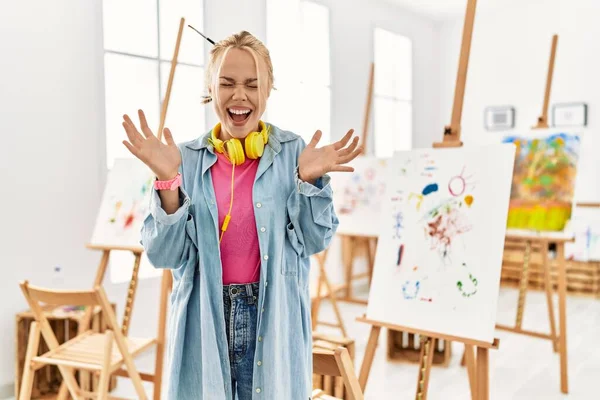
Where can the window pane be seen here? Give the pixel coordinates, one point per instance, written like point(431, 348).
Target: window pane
point(131, 84)
point(191, 50)
point(131, 27)
point(314, 39)
point(283, 22)
point(185, 115)
point(393, 126)
point(393, 65)
point(281, 107)
point(316, 112)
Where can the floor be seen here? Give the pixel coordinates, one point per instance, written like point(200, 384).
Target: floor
point(524, 368)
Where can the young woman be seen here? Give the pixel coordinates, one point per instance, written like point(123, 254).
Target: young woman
point(236, 214)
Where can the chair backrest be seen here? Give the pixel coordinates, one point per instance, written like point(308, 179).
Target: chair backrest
point(91, 298)
point(60, 297)
point(337, 363)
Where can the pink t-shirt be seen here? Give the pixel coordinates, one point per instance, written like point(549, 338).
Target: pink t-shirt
point(240, 252)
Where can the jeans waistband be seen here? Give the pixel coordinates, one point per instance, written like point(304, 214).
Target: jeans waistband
point(241, 290)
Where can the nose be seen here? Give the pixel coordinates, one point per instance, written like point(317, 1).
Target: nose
point(239, 93)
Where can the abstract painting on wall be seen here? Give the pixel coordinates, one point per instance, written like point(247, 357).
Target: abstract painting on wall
point(439, 255)
point(544, 180)
point(358, 196)
point(124, 206)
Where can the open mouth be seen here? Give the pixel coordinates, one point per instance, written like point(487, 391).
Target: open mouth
point(239, 115)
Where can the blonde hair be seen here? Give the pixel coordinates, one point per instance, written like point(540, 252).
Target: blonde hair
point(246, 41)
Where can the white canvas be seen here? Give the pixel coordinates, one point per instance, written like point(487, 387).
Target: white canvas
point(124, 206)
point(439, 254)
point(358, 196)
point(585, 226)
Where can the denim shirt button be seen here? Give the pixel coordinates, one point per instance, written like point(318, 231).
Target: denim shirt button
point(257, 390)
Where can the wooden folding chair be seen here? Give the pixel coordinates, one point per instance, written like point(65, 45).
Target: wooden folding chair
point(88, 351)
point(336, 363)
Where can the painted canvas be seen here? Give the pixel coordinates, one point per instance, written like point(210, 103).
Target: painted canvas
point(358, 196)
point(544, 180)
point(585, 226)
point(439, 255)
point(124, 206)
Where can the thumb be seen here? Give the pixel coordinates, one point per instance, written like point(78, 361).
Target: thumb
point(168, 137)
point(315, 139)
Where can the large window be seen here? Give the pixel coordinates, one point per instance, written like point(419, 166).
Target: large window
point(139, 41)
point(393, 93)
point(298, 39)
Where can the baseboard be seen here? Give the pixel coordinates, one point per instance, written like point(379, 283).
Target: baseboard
point(7, 391)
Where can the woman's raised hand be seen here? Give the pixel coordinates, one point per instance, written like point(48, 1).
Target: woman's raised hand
point(163, 159)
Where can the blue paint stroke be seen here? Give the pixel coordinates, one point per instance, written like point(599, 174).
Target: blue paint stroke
point(431, 188)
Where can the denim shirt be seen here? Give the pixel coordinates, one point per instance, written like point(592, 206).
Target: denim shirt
point(299, 221)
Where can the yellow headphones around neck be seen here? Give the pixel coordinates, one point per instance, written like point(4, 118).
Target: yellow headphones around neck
point(254, 144)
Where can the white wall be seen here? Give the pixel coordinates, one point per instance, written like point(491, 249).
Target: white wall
point(509, 60)
point(52, 110)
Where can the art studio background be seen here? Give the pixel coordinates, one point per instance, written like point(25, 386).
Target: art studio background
point(70, 70)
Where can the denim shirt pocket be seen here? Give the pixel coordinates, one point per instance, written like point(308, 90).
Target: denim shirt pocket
point(289, 266)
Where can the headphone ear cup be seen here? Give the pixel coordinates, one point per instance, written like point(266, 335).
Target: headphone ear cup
point(235, 151)
point(255, 145)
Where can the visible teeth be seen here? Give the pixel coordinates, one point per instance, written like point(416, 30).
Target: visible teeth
point(239, 112)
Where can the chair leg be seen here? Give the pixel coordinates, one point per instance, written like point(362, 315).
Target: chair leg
point(63, 391)
point(28, 373)
point(106, 363)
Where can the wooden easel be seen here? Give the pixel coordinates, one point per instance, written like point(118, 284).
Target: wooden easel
point(478, 368)
point(352, 243)
point(329, 293)
point(543, 119)
point(349, 245)
point(166, 282)
point(542, 240)
point(558, 339)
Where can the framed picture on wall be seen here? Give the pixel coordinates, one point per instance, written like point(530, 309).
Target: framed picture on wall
point(569, 114)
point(499, 118)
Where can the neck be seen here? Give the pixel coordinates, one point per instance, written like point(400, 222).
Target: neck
point(225, 135)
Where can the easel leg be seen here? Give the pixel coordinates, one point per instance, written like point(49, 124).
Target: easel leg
point(469, 358)
point(549, 290)
point(332, 299)
point(562, 315)
point(165, 289)
point(349, 264)
point(317, 302)
point(365, 368)
point(523, 286)
point(426, 360)
point(483, 390)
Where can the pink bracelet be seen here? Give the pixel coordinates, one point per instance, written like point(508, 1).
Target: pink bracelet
point(168, 185)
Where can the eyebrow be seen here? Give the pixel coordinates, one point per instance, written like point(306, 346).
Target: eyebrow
point(249, 80)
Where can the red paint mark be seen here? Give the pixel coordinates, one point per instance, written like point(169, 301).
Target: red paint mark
point(129, 220)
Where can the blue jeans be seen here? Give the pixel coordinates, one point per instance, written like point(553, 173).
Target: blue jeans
point(241, 302)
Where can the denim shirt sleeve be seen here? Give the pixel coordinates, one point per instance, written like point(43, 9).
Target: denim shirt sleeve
point(313, 221)
point(164, 235)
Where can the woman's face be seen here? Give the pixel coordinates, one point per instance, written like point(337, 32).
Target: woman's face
point(238, 104)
